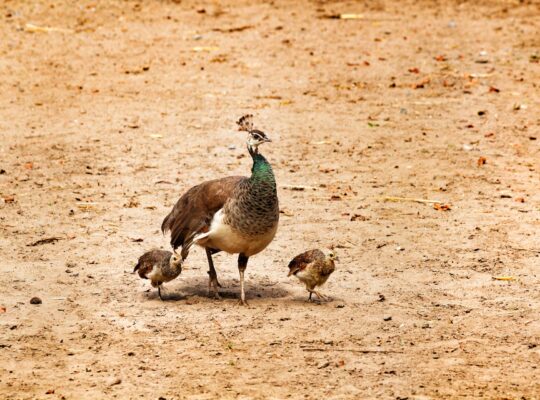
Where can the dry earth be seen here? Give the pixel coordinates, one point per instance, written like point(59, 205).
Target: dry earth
point(110, 110)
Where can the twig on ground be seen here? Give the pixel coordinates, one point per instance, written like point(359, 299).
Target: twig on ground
point(412, 199)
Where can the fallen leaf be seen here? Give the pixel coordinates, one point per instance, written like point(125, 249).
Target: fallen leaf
point(321, 142)
point(9, 199)
point(504, 278)
point(234, 29)
point(489, 134)
point(414, 70)
point(133, 203)
point(221, 58)
point(29, 165)
point(481, 161)
point(50, 391)
point(358, 217)
point(2, 310)
point(493, 89)
point(441, 207)
point(286, 212)
point(204, 48)
point(421, 84)
point(440, 58)
point(44, 29)
point(351, 16)
point(44, 241)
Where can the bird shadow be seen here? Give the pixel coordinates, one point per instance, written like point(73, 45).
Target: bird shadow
point(198, 286)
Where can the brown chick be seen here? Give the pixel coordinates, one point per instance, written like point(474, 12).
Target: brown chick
point(159, 266)
point(313, 269)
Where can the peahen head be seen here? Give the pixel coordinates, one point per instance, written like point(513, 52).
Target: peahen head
point(255, 136)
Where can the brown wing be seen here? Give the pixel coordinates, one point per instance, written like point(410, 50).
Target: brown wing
point(149, 259)
point(193, 212)
point(301, 261)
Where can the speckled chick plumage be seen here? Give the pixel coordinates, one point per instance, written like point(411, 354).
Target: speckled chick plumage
point(313, 268)
point(158, 266)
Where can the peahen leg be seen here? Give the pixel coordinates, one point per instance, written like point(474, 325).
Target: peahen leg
point(213, 282)
point(242, 265)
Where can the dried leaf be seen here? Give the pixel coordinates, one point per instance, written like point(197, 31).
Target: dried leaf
point(358, 217)
point(133, 203)
point(440, 58)
point(481, 161)
point(441, 207)
point(9, 199)
point(286, 212)
point(2, 310)
point(44, 29)
point(421, 84)
point(29, 165)
point(44, 241)
point(351, 16)
point(493, 89)
point(234, 29)
point(50, 391)
point(414, 70)
point(204, 48)
point(504, 278)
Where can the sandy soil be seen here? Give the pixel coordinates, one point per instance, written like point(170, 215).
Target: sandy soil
point(108, 118)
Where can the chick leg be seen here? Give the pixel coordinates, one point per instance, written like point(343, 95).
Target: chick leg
point(159, 292)
point(321, 296)
point(242, 265)
point(213, 282)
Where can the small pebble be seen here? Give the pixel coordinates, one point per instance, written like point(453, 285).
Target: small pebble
point(35, 300)
point(389, 318)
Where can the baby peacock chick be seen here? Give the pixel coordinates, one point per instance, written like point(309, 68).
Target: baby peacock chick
point(313, 268)
point(159, 266)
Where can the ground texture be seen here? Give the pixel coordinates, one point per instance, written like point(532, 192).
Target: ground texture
point(111, 110)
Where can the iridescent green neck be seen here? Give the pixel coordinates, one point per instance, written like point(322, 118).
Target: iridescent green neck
point(261, 171)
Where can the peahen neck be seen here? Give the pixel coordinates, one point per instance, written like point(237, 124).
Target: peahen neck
point(261, 171)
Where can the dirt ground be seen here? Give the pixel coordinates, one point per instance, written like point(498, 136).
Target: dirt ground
point(110, 110)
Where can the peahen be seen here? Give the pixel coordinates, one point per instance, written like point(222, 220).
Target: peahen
point(238, 215)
